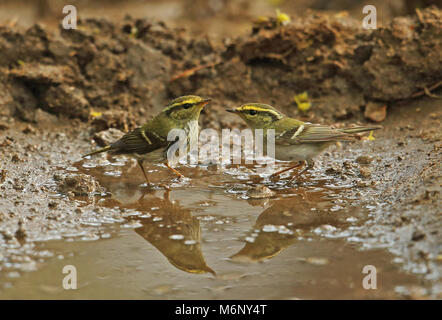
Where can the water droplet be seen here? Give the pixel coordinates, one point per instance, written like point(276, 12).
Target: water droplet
point(112, 173)
point(90, 237)
point(269, 228)
point(250, 239)
point(89, 165)
point(284, 230)
point(176, 237)
point(207, 218)
point(132, 225)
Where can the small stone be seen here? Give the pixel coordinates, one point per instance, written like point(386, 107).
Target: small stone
point(52, 205)
point(417, 236)
point(15, 158)
point(333, 169)
point(347, 164)
point(260, 192)
point(365, 172)
point(7, 142)
point(363, 184)
point(41, 117)
point(29, 129)
point(376, 112)
point(20, 234)
point(364, 159)
point(3, 175)
point(108, 136)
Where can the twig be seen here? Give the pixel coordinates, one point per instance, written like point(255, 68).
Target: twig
point(427, 91)
point(190, 72)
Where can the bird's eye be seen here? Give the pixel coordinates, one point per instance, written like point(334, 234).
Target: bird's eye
point(252, 112)
point(186, 105)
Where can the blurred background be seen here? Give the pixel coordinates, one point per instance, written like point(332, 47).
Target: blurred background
point(219, 18)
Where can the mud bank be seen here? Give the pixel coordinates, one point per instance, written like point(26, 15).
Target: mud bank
point(135, 66)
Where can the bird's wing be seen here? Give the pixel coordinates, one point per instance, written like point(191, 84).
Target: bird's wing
point(139, 141)
point(309, 133)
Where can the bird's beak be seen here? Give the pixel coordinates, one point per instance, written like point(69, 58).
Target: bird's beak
point(203, 103)
point(232, 110)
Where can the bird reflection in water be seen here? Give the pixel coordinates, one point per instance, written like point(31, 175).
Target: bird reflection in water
point(177, 234)
point(171, 229)
point(278, 227)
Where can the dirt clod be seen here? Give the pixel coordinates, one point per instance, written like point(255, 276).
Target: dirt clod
point(364, 159)
point(417, 235)
point(29, 129)
point(365, 171)
point(108, 136)
point(259, 192)
point(376, 112)
point(77, 184)
point(3, 174)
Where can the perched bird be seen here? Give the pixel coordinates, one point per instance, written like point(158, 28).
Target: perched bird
point(149, 142)
point(294, 140)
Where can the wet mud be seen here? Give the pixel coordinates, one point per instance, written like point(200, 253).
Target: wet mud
point(225, 232)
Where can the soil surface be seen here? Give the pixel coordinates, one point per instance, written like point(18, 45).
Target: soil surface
point(225, 232)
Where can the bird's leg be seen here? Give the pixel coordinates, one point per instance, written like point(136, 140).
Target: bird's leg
point(300, 163)
point(144, 191)
point(166, 191)
point(140, 163)
point(308, 164)
point(166, 194)
point(173, 170)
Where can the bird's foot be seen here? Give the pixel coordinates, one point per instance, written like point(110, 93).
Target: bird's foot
point(301, 172)
point(276, 175)
point(180, 176)
point(165, 187)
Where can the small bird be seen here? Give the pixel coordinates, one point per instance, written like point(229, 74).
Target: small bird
point(149, 142)
point(294, 140)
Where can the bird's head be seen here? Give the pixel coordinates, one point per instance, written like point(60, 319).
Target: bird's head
point(258, 115)
point(185, 108)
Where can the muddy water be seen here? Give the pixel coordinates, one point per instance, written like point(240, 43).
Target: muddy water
point(207, 239)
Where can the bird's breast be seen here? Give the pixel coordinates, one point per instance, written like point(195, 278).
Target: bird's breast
point(299, 152)
point(192, 129)
point(158, 155)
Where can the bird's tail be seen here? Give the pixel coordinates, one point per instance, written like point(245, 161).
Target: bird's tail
point(106, 148)
point(352, 130)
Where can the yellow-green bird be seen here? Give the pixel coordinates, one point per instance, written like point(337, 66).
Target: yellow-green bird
point(149, 142)
point(295, 140)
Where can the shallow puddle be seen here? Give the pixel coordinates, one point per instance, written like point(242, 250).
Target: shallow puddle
point(205, 239)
